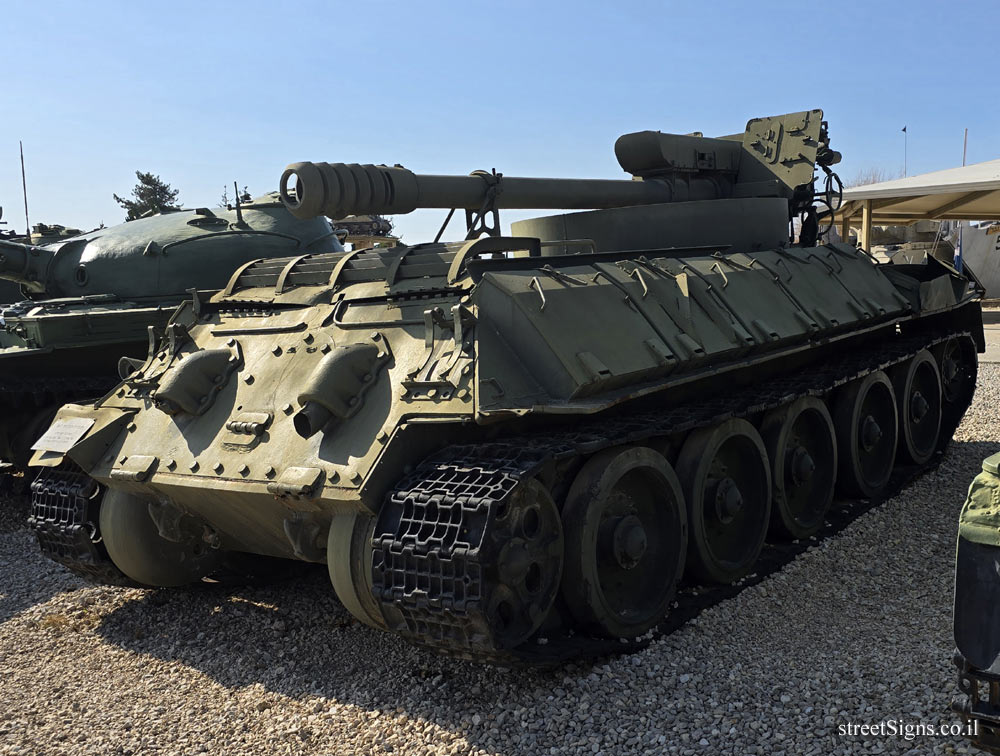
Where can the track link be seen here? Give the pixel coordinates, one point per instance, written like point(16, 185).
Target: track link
point(63, 515)
point(427, 566)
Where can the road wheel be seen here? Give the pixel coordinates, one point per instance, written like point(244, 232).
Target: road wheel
point(865, 419)
point(958, 365)
point(625, 531)
point(726, 478)
point(136, 547)
point(802, 447)
point(917, 383)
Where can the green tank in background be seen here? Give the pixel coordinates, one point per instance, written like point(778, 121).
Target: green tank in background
point(977, 608)
point(88, 300)
point(512, 448)
point(10, 291)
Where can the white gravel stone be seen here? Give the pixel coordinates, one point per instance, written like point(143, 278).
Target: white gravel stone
point(855, 630)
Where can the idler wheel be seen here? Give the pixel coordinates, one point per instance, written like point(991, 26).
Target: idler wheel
point(958, 365)
point(802, 447)
point(865, 419)
point(348, 560)
point(726, 480)
point(135, 546)
point(917, 383)
point(626, 539)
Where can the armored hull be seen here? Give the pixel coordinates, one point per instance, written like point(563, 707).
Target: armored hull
point(514, 456)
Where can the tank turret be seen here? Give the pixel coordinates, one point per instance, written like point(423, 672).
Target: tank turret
point(513, 449)
point(163, 254)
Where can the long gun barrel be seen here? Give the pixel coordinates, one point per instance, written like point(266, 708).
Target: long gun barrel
point(341, 189)
point(24, 264)
point(774, 157)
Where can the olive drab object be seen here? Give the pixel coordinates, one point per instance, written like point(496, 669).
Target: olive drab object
point(512, 448)
point(977, 607)
point(87, 301)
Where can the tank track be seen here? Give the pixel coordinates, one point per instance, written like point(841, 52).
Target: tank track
point(63, 515)
point(430, 580)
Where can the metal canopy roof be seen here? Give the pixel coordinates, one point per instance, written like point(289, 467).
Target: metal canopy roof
point(971, 192)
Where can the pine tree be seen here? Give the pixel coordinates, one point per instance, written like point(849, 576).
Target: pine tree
point(151, 195)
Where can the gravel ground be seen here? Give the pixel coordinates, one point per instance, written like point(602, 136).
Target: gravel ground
point(855, 630)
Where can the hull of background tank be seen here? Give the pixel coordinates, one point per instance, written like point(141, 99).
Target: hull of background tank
point(981, 251)
point(35, 382)
point(64, 351)
point(9, 292)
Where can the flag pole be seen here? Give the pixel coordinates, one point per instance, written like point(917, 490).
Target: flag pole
point(961, 224)
point(904, 152)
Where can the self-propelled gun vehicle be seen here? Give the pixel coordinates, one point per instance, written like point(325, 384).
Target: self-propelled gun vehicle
point(511, 448)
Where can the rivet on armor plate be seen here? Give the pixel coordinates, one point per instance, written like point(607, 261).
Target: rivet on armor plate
point(356, 477)
point(244, 470)
point(325, 348)
point(269, 472)
point(287, 409)
point(231, 342)
point(170, 464)
point(376, 335)
point(122, 460)
point(193, 467)
point(333, 476)
point(308, 338)
point(248, 379)
point(383, 437)
point(218, 468)
point(131, 427)
point(276, 350)
point(432, 393)
point(463, 394)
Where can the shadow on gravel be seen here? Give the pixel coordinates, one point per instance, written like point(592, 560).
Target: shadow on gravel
point(295, 639)
point(26, 577)
point(13, 512)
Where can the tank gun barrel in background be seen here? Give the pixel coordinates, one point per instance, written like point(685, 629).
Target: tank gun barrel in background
point(24, 264)
point(339, 189)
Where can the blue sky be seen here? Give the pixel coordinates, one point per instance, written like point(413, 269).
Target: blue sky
point(204, 93)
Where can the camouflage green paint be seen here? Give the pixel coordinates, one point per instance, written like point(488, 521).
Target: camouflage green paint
point(980, 518)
